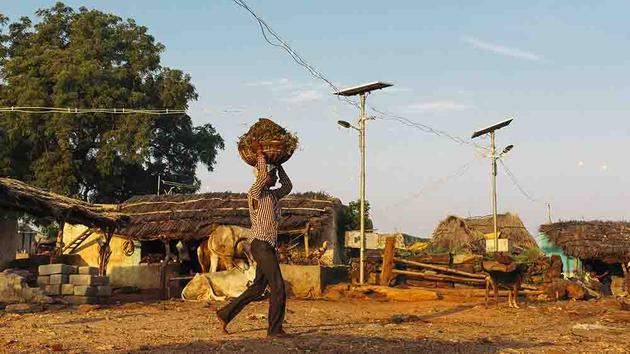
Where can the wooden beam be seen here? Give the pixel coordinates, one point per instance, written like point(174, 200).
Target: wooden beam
point(388, 260)
point(441, 269)
point(105, 252)
point(438, 277)
point(306, 235)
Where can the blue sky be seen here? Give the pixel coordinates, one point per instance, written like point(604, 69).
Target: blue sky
point(561, 69)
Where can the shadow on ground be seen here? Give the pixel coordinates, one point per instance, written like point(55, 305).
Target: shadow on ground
point(327, 343)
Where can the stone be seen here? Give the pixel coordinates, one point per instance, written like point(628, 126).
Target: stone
point(85, 308)
point(80, 300)
point(48, 269)
point(53, 289)
point(104, 290)
point(14, 289)
point(88, 270)
point(67, 289)
point(43, 280)
point(59, 279)
point(24, 308)
point(85, 290)
point(86, 279)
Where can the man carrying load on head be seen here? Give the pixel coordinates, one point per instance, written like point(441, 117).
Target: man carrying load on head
point(264, 212)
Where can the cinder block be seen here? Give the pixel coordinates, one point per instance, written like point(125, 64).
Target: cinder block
point(80, 300)
point(104, 290)
point(53, 290)
point(85, 290)
point(48, 269)
point(43, 280)
point(86, 279)
point(67, 289)
point(59, 278)
point(88, 270)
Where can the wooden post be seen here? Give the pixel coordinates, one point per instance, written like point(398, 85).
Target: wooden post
point(105, 252)
point(164, 269)
point(625, 266)
point(388, 260)
point(307, 230)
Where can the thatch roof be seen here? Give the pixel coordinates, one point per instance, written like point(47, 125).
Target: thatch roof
point(605, 240)
point(19, 196)
point(195, 216)
point(467, 234)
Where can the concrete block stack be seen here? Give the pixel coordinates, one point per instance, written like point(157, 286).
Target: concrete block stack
point(74, 284)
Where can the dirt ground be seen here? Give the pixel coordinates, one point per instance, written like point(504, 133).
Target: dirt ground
point(343, 326)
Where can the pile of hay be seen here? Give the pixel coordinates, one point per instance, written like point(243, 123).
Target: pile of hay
point(277, 143)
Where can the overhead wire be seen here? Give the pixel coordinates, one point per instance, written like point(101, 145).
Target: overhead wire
point(434, 185)
point(68, 110)
point(281, 43)
point(516, 183)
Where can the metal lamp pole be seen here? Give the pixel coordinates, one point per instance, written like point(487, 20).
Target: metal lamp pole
point(362, 91)
point(493, 158)
point(362, 120)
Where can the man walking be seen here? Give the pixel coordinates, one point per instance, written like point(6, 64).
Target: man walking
point(264, 211)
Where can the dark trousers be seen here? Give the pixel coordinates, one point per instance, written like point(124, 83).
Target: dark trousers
point(267, 272)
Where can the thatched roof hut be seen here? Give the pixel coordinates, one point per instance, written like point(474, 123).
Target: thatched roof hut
point(19, 196)
point(467, 234)
point(608, 241)
point(195, 216)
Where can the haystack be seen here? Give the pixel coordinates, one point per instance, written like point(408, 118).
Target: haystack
point(608, 241)
point(467, 234)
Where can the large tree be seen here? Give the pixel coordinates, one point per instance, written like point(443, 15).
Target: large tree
point(91, 59)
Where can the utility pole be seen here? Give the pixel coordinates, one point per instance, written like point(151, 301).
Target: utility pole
point(494, 191)
point(549, 212)
point(362, 91)
point(493, 157)
point(362, 119)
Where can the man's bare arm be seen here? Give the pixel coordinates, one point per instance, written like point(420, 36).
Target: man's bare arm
point(285, 181)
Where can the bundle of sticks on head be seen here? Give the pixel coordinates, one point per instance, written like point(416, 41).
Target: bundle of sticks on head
point(277, 144)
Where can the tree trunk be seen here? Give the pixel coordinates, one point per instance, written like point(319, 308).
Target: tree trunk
point(438, 277)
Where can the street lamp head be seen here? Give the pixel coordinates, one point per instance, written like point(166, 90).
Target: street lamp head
point(507, 149)
point(344, 124)
point(363, 89)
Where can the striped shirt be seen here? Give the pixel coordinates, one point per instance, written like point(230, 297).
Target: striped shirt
point(264, 208)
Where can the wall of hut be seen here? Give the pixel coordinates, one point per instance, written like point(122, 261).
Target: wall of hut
point(123, 269)
point(9, 236)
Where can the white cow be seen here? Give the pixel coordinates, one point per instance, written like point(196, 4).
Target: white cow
point(220, 286)
point(225, 244)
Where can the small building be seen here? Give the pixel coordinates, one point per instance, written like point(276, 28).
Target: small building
point(570, 265)
point(376, 241)
point(456, 235)
point(18, 197)
point(599, 245)
point(308, 220)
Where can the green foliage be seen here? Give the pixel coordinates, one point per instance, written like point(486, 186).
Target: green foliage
point(91, 59)
point(351, 217)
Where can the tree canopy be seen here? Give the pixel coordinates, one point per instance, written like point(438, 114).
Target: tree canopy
point(351, 218)
point(91, 59)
